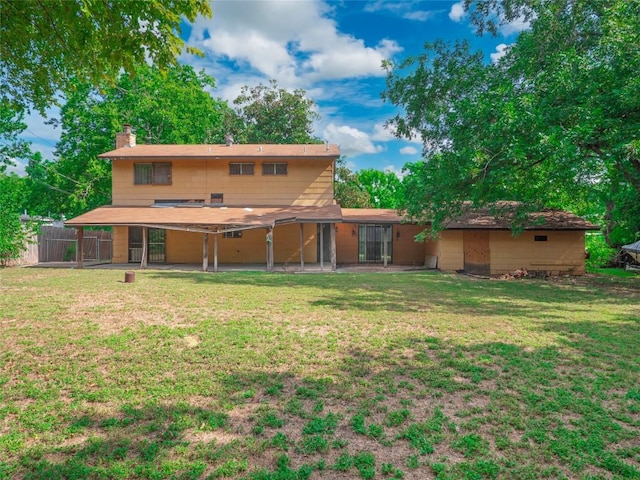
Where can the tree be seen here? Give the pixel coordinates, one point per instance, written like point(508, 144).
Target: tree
point(11, 126)
point(384, 188)
point(268, 114)
point(347, 189)
point(47, 46)
point(42, 195)
point(13, 235)
point(166, 107)
point(555, 123)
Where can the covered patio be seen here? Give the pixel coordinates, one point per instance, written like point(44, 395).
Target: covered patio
point(213, 221)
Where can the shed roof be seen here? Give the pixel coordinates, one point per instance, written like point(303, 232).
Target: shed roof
point(484, 218)
point(223, 151)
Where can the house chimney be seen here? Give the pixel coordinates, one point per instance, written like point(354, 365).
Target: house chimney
point(126, 138)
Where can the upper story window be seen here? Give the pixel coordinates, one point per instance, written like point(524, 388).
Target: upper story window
point(274, 168)
point(244, 168)
point(152, 174)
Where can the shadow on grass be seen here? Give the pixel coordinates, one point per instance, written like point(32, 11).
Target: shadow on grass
point(132, 443)
point(424, 291)
point(489, 409)
point(497, 410)
point(614, 340)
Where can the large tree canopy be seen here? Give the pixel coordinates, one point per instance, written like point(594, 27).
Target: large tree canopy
point(368, 188)
point(48, 45)
point(384, 188)
point(13, 234)
point(554, 123)
point(164, 107)
point(347, 189)
point(12, 147)
point(269, 114)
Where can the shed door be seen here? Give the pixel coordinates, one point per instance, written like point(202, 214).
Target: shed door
point(477, 256)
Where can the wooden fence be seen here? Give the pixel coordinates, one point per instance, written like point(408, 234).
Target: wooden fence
point(29, 255)
point(61, 245)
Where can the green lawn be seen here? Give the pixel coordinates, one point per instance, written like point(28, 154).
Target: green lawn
point(271, 376)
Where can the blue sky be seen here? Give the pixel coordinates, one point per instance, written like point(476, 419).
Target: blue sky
point(331, 49)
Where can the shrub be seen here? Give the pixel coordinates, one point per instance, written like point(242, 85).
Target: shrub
point(599, 254)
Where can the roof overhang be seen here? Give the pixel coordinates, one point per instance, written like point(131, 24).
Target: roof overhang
point(238, 152)
point(205, 219)
point(547, 220)
point(208, 218)
point(372, 215)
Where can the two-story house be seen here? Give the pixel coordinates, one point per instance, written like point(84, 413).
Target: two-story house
point(268, 204)
point(220, 203)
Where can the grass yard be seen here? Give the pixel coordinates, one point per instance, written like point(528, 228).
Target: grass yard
point(331, 376)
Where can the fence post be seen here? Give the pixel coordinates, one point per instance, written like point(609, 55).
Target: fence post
point(80, 246)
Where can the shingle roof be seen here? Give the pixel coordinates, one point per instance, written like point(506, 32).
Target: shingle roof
point(271, 216)
point(205, 216)
point(371, 215)
point(545, 220)
point(224, 151)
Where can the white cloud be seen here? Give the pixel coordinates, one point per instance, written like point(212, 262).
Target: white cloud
point(380, 5)
point(408, 150)
point(457, 12)
point(392, 169)
point(350, 165)
point(402, 9)
point(419, 15)
point(263, 54)
point(516, 26)
point(501, 51)
point(293, 42)
point(351, 140)
point(347, 59)
point(18, 169)
point(382, 133)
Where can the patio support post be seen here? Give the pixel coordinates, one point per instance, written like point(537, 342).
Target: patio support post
point(332, 246)
point(270, 249)
point(385, 231)
point(322, 247)
point(80, 246)
point(215, 251)
point(145, 242)
point(302, 247)
point(205, 252)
